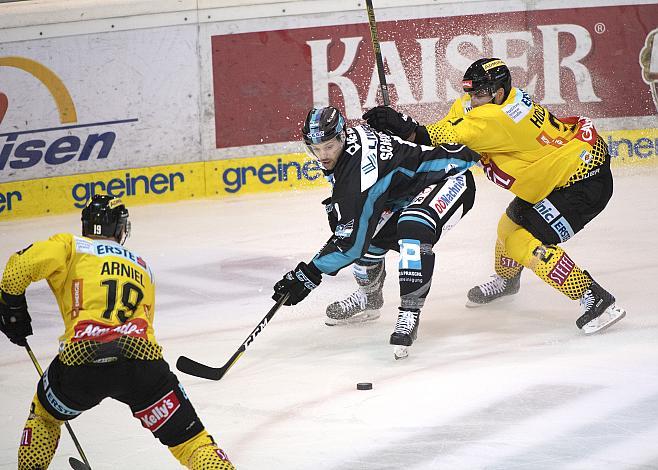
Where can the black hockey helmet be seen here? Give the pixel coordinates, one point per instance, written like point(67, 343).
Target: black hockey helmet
point(322, 125)
point(106, 216)
point(487, 74)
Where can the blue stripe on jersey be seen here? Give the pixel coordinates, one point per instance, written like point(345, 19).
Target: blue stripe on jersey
point(374, 250)
point(338, 260)
point(442, 163)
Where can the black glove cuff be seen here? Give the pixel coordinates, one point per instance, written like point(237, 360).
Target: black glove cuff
point(313, 270)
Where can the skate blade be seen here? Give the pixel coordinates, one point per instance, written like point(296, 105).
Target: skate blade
point(612, 315)
point(400, 352)
point(500, 300)
point(362, 317)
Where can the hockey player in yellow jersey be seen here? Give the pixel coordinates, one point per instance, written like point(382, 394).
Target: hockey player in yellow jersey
point(558, 169)
point(106, 296)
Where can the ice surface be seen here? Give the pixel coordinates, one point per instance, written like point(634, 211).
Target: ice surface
point(512, 386)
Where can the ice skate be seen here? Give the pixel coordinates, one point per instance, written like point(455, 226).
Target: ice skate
point(359, 307)
point(406, 329)
point(494, 289)
point(598, 310)
point(362, 305)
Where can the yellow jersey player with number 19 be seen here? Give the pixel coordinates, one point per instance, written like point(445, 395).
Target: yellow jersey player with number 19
point(559, 170)
point(106, 296)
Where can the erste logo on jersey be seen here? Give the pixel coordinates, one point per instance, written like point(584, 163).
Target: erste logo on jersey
point(554, 219)
point(159, 413)
point(101, 248)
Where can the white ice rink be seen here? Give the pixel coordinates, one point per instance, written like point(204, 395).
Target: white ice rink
point(512, 386)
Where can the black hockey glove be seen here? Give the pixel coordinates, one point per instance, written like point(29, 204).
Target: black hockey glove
point(386, 119)
point(298, 283)
point(15, 322)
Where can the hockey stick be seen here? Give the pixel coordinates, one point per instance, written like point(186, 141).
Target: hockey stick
point(378, 52)
point(191, 367)
point(75, 463)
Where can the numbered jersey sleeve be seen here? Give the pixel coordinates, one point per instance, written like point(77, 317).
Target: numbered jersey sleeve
point(378, 172)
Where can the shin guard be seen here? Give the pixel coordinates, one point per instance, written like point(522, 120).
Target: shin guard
point(39, 440)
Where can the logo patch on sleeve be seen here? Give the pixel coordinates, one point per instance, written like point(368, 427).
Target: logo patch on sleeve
point(26, 437)
point(157, 414)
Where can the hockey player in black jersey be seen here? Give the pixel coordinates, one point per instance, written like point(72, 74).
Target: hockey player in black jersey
point(388, 194)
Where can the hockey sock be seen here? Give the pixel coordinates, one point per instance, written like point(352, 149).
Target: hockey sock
point(370, 277)
point(505, 266)
point(416, 268)
point(40, 438)
point(551, 263)
point(201, 453)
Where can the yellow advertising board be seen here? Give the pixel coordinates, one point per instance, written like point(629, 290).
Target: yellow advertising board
point(226, 178)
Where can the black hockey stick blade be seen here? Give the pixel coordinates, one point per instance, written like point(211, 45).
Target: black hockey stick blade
point(192, 367)
point(77, 464)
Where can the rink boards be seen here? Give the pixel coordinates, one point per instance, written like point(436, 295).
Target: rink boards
point(227, 178)
point(165, 101)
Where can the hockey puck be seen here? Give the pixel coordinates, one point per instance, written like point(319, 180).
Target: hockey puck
point(364, 386)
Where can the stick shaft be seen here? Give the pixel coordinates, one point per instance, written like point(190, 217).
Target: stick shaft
point(378, 52)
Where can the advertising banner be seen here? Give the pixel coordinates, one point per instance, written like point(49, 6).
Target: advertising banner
point(71, 193)
point(223, 178)
point(601, 62)
point(263, 174)
point(127, 99)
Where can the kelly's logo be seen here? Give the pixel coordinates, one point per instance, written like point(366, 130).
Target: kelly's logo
point(649, 64)
point(69, 141)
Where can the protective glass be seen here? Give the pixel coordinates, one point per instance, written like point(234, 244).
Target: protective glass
point(126, 232)
point(334, 145)
point(481, 93)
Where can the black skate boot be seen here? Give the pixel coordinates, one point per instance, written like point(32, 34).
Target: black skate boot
point(494, 289)
point(363, 304)
point(406, 329)
point(598, 309)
